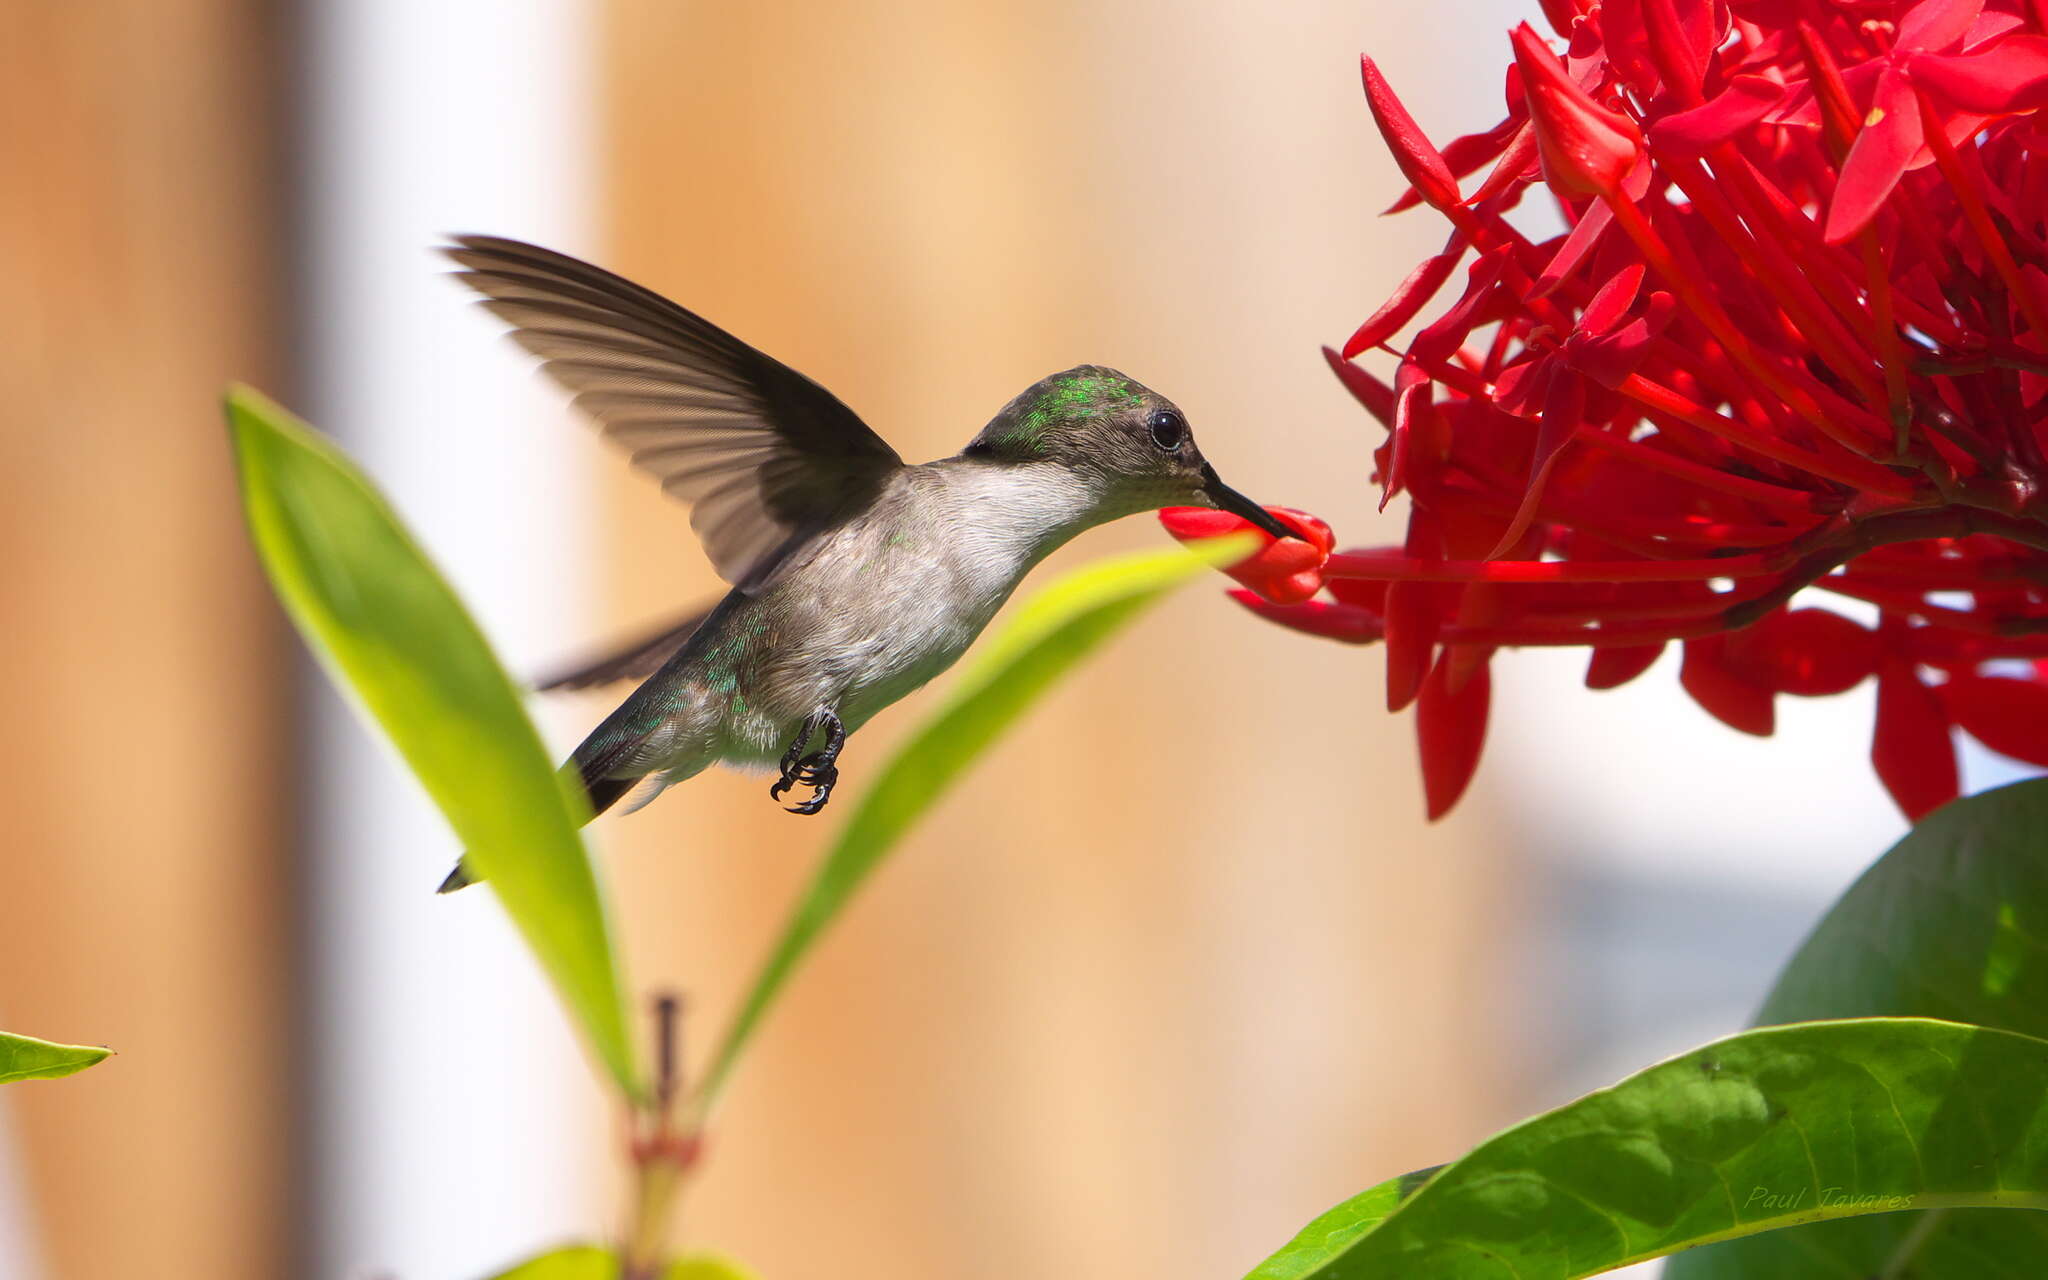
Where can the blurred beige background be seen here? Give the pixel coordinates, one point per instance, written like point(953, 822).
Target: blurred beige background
point(145, 884)
point(1176, 968)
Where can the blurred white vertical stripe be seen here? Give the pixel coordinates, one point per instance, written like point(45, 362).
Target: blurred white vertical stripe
point(452, 1119)
point(18, 1260)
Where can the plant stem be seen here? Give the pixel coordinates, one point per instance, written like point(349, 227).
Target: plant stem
point(656, 1182)
point(663, 1155)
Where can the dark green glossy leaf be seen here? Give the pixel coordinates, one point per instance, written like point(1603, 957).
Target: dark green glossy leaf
point(393, 636)
point(26, 1058)
point(1763, 1130)
point(1952, 923)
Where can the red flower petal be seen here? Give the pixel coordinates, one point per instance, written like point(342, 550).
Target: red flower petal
point(1807, 652)
point(1810, 105)
point(1376, 396)
point(2012, 76)
point(1912, 749)
point(1681, 55)
point(1409, 298)
point(1415, 614)
point(2007, 715)
point(1934, 25)
point(1610, 359)
point(1614, 666)
point(1990, 26)
point(1742, 105)
point(1516, 164)
point(1587, 149)
point(1723, 691)
point(1411, 401)
point(1562, 14)
point(1585, 234)
point(1450, 731)
point(1564, 408)
point(1348, 623)
point(1412, 625)
point(1521, 388)
point(1613, 300)
point(1444, 335)
point(1885, 146)
point(1421, 163)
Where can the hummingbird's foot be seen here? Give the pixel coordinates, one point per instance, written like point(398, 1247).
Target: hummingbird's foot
point(793, 758)
point(818, 770)
point(820, 776)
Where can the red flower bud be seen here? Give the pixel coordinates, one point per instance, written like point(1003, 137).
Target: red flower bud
point(1587, 149)
point(1421, 163)
point(1285, 570)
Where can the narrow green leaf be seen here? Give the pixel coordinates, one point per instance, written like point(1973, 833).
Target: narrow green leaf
point(575, 1262)
point(1951, 923)
point(1763, 1130)
point(1050, 633)
point(706, 1266)
point(390, 632)
point(589, 1262)
point(25, 1058)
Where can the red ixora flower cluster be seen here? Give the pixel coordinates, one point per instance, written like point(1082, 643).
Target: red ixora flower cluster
point(1794, 338)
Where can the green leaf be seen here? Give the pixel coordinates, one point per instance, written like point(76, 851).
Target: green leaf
point(1321, 1242)
point(1952, 923)
point(391, 633)
point(1049, 634)
point(589, 1262)
point(575, 1262)
point(24, 1058)
point(1763, 1130)
point(706, 1266)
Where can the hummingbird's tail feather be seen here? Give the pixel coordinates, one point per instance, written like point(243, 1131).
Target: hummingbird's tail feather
point(603, 794)
point(606, 792)
point(645, 790)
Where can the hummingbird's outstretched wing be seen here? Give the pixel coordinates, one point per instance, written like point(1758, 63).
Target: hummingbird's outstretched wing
point(636, 659)
point(765, 456)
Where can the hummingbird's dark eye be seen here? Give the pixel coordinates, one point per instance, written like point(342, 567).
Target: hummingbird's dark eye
point(1169, 429)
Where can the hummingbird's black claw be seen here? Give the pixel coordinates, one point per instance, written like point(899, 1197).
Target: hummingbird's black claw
point(818, 769)
point(793, 757)
point(821, 776)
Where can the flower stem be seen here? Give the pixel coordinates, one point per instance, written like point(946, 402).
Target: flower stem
point(664, 1152)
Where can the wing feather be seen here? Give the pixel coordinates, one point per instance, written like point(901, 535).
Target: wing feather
point(765, 456)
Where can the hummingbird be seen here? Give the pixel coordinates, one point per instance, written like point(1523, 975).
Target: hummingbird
point(856, 577)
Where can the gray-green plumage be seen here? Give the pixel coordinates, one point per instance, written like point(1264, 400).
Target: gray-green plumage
point(856, 577)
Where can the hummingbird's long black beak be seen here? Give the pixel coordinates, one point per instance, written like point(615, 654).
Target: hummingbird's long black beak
point(1229, 499)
